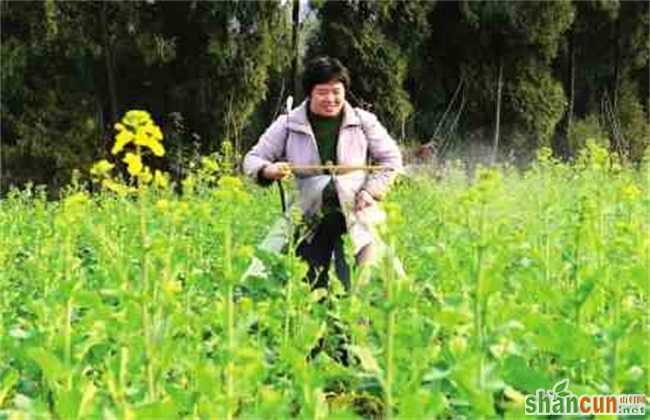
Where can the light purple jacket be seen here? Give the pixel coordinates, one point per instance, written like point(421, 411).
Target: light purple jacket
point(362, 139)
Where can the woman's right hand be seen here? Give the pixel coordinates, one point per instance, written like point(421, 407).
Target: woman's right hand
point(276, 171)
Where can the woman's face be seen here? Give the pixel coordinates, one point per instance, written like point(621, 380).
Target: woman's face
point(327, 99)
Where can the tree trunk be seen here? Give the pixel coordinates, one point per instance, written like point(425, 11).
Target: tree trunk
point(619, 141)
point(495, 145)
point(1, 168)
point(617, 63)
point(3, 8)
point(295, 48)
point(108, 62)
point(572, 84)
point(562, 144)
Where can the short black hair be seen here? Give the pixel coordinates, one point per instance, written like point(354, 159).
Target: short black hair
point(324, 69)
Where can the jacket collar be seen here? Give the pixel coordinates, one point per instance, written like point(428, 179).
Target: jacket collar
point(298, 120)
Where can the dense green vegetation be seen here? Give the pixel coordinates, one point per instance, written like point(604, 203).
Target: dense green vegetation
point(126, 298)
point(130, 303)
point(508, 75)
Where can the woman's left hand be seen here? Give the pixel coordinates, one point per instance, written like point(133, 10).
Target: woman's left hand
point(363, 200)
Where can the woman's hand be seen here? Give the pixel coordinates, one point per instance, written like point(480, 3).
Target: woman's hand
point(276, 171)
point(363, 200)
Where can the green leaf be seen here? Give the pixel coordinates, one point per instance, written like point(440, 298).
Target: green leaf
point(8, 381)
point(451, 318)
point(368, 361)
point(477, 381)
point(157, 410)
point(565, 339)
point(421, 403)
point(53, 369)
point(207, 378)
point(87, 299)
point(67, 403)
point(583, 292)
point(518, 373)
point(435, 374)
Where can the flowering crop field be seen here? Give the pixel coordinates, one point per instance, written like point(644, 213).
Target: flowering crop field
point(131, 304)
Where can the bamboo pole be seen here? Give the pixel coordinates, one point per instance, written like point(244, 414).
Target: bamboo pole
point(339, 168)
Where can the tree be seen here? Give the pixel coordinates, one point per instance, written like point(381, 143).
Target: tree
point(241, 40)
point(605, 60)
point(490, 62)
point(377, 41)
point(517, 42)
point(49, 114)
point(205, 64)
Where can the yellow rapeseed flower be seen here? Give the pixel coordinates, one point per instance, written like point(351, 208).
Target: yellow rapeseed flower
point(162, 204)
point(116, 187)
point(245, 251)
point(154, 131)
point(101, 167)
point(136, 118)
point(160, 179)
point(142, 138)
point(172, 286)
point(123, 138)
point(209, 164)
point(156, 148)
point(230, 182)
point(138, 127)
point(75, 200)
point(393, 213)
point(631, 192)
point(544, 154)
point(134, 163)
point(145, 175)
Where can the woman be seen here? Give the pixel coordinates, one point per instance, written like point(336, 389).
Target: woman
point(326, 130)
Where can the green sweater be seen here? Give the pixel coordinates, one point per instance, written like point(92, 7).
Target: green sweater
point(326, 131)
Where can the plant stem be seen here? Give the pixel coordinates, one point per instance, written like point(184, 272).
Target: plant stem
point(68, 340)
point(614, 360)
point(390, 335)
point(146, 295)
point(478, 297)
point(230, 321)
point(576, 268)
point(68, 311)
point(289, 297)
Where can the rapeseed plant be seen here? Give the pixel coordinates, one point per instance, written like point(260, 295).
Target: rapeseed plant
point(135, 308)
point(137, 134)
point(138, 128)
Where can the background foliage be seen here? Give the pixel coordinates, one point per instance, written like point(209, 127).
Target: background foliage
point(216, 71)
